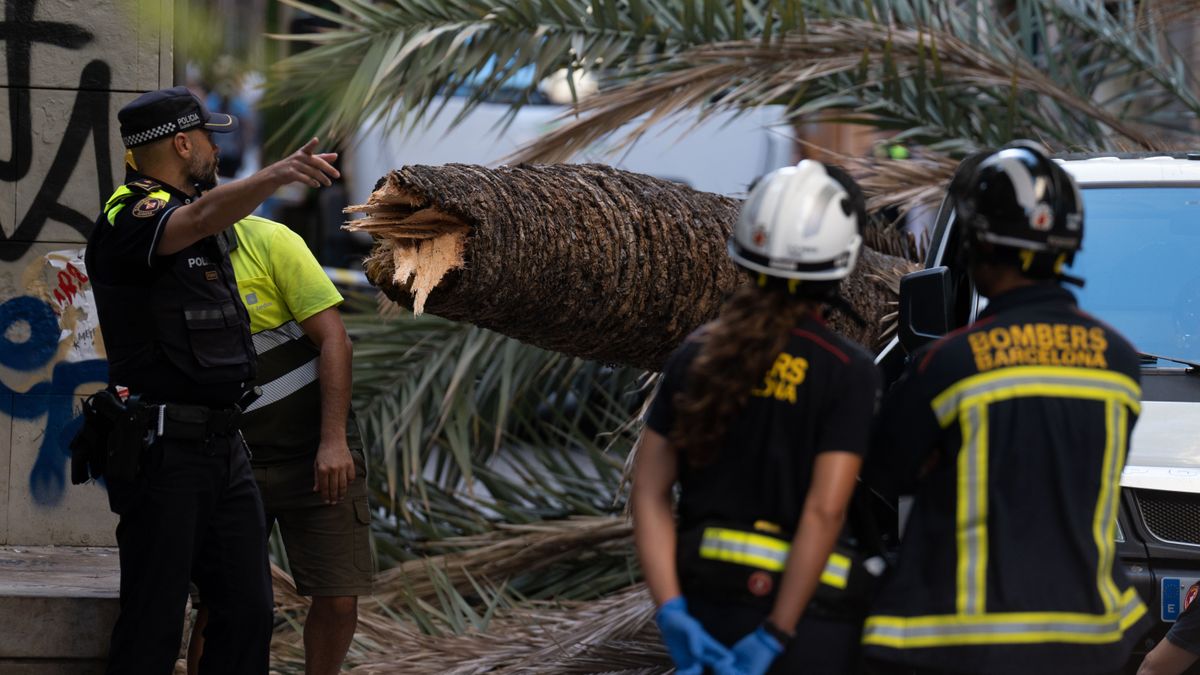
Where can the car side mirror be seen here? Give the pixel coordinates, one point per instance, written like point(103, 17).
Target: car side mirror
point(925, 307)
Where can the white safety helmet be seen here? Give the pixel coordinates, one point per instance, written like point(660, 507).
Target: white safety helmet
point(798, 223)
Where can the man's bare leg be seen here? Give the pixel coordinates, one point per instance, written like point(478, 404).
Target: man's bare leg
point(196, 643)
point(328, 631)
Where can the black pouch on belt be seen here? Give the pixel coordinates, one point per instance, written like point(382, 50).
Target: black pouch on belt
point(186, 422)
point(131, 434)
point(89, 447)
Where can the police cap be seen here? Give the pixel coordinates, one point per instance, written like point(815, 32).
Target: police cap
point(161, 113)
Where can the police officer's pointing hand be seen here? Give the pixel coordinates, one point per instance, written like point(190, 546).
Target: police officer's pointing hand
point(306, 166)
point(225, 205)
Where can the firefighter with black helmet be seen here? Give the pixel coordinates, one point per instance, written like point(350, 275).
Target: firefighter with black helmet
point(1011, 434)
point(762, 417)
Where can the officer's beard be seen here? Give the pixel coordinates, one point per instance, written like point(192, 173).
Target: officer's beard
point(203, 174)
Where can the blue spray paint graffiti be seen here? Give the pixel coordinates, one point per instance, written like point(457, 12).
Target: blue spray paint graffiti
point(29, 337)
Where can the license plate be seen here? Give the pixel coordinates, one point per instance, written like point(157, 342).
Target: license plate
point(1174, 593)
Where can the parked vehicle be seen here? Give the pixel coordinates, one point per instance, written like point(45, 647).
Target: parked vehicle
point(1142, 234)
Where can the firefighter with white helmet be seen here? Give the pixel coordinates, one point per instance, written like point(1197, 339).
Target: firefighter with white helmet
point(762, 416)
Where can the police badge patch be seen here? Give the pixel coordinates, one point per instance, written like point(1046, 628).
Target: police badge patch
point(148, 207)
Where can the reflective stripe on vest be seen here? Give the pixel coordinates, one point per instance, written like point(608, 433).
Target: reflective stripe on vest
point(1005, 627)
point(286, 384)
point(266, 340)
point(765, 553)
point(968, 401)
point(837, 571)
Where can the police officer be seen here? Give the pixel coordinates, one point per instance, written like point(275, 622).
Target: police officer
point(1011, 434)
point(762, 417)
point(180, 355)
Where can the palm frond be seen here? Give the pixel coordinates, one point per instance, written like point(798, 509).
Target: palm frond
point(486, 628)
point(519, 556)
point(438, 400)
point(1074, 73)
point(802, 71)
point(392, 62)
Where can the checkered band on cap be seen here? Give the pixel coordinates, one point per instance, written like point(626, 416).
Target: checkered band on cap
point(148, 135)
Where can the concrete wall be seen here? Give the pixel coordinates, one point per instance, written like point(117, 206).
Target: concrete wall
point(67, 67)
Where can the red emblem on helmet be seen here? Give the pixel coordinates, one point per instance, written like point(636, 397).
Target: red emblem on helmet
point(1042, 219)
point(760, 584)
point(759, 237)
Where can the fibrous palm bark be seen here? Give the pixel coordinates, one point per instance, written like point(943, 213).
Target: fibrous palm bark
point(586, 260)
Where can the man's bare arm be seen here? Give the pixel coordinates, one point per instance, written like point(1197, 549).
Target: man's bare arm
point(229, 203)
point(334, 467)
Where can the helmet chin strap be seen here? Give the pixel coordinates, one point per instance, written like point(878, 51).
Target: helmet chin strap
point(970, 253)
point(1070, 279)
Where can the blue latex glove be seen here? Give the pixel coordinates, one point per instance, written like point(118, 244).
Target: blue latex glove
point(690, 646)
point(755, 653)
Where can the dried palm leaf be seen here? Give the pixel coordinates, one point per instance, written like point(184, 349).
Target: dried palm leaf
point(734, 75)
point(500, 555)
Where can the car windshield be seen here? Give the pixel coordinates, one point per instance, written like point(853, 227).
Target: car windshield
point(1139, 259)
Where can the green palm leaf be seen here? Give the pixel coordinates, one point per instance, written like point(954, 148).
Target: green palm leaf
point(448, 406)
point(1108, 77)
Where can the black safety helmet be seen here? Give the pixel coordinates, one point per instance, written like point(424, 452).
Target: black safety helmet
point(1024, 204)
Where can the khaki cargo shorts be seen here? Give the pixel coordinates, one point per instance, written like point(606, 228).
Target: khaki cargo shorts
point(328, 546)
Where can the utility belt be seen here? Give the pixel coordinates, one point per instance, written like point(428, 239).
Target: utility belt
point(732, 562)
point(118, 429)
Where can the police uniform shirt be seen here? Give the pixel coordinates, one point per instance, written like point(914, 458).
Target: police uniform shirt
point(819, 396)
point(282, 285)
point(172, 326)
point(1185, 634)
point(1011, 434)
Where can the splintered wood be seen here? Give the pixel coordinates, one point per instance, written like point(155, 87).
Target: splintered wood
point(425, 242)
point(581, 259)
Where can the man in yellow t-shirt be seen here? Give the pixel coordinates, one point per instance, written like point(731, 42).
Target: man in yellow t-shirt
point(307, 455)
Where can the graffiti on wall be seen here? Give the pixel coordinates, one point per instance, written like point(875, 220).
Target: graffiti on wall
point(51, 352)
point(88, 121)
point(51, 337)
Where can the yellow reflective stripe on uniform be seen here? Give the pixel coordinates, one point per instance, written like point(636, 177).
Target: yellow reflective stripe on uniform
point(1021, 381)
point(765, 553)
point(116, 195)
point(972, 513)
point(114, 204)
point(837, 571)
point(967, 401)
point(1004, 628)
point(1116, 420)
point(744, 548)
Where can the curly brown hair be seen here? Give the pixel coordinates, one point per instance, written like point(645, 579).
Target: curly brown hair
point(736, 351)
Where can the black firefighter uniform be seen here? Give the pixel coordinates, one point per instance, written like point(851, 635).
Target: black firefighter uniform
point(1011, 434)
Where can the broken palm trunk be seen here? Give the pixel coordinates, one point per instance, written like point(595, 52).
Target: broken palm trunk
point(586, 260)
